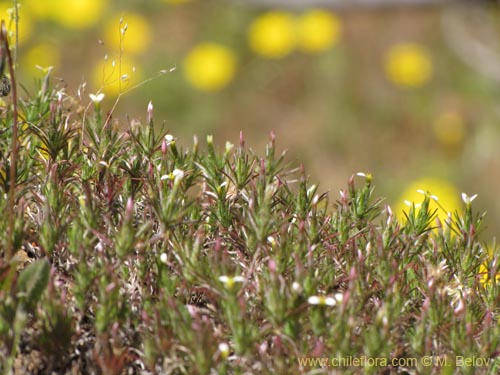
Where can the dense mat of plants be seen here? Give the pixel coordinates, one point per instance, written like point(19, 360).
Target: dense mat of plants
point(134, 256)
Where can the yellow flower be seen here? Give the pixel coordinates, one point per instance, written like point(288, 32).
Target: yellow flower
point(43, 55)
point(25, 22)
point(447, 195)
point(273, 34)
point(176, 2)
point(42, 10)
point(78, 14)
point(133, 34)
point(408, 64)
point(114, 77)
point(317, 31)
point(484, 269)
point(449, 128)
point(210, 66)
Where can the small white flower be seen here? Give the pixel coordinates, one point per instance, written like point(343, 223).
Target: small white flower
point(339, 297)
point(420, 191)
point(96, 98)
point(411, 204)
point(169, 138)
point(224, 349)
point(367, 176)
point(229, 281)
point(296, 287)
point(322, 301)
point(468, 200)
point(229, 146)
point(165, 177)
point(163, 258)
point(271, 240)
point(178, 175)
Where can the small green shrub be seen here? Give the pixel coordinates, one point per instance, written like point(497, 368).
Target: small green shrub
point(152, 258)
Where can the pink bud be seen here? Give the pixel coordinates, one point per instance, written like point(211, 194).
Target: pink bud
point(242, 140)
point(272, 265)
point(273, 137)
point(164, 147)
point(110, 287)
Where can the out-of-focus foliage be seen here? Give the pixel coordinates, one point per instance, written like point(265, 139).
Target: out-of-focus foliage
point(380, 90)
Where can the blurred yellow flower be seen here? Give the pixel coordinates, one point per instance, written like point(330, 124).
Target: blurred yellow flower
point(133, 34)
point(42, 10)
point(114, 77)
point(408, 64)
point(318, 30)
point(78, 14)
point(210, 66)
point(42, 55)
point(449, 128)
point(176, 2)
point(25, 22)
point(484, 269)
point(448, 197)
point(273, 34)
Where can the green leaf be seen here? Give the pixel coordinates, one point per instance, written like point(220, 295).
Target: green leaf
point(32, 282)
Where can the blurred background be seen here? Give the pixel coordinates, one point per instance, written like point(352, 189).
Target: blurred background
point(409, 93)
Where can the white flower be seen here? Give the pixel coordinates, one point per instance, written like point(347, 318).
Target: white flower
point(178, 175)
point(96, 98)
point(271, 240)
point(229, 146)
point(163, 258)
point(229, 281)
point(367, 176)
point(468, 200)
point(325, 300)
point(411, 204)
point(169, 138)
point(224, 349)
point(321, 301)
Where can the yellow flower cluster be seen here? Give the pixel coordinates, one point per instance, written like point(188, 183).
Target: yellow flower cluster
point(72, 14)
point(176, 2)
point(447, 195)
point(275, 34)
point(408, 65)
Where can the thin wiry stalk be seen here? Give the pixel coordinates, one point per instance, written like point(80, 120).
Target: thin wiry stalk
point(14, 146)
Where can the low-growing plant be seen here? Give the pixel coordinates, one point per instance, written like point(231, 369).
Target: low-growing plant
point(147, 257)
